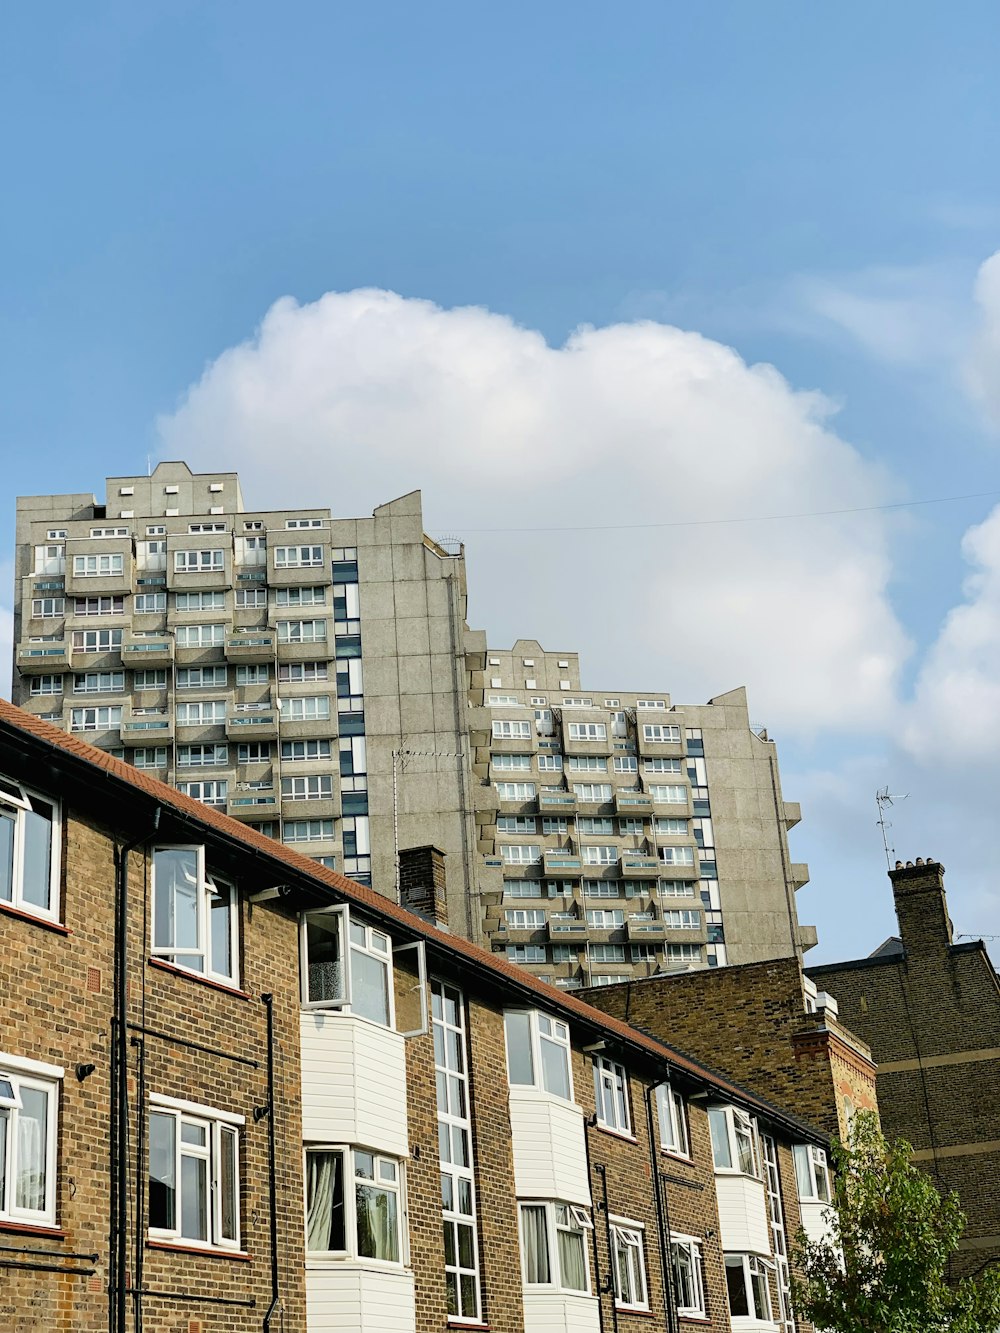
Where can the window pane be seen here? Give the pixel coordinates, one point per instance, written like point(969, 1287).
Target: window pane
point(4, 1130)
point(7, 820)
point(220, 929)
point(378, 1225)
point(37, 854)
point(536, 1245)
point(324, 958)
point(721, 1153)
point(175, 916)
point(519, 1061)
point(369, 987)
point(736, 1286)
point(555, 1067)
point(325, 1201)
point(228, 1185)
point(162, 1177)
point(194, 1197)
point(32, 1123)
point(572, 1260)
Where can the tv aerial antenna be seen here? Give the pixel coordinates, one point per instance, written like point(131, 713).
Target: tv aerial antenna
point(884, 801)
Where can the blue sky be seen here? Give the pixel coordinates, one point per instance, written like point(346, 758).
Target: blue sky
point(813, 187)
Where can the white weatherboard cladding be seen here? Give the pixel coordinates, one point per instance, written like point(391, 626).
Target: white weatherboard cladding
point(349, 1298)
point(353, 1082)
point(550, 1156)
point(743, 1222)
point(560, 1312)
point(814, 1219)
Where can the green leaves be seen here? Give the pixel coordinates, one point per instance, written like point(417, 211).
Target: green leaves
point(882, 1268)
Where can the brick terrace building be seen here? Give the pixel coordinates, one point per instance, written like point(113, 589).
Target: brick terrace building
point(325, 1111)
point(930, 1010)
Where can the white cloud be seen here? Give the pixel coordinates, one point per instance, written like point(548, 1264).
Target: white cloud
point(984, 359)
point(365, 395)
point(955, 712)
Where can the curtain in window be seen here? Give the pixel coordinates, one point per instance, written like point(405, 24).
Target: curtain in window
point(378, 1231)
point(31, 1121)
point(536, 1245)
point(325, 1201)
point(571, 1260)
point(627, 1293)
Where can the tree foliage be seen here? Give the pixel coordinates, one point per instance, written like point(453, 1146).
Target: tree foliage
point(883, 1267)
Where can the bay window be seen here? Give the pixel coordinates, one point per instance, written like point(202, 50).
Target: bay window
point(353, 1205)
point(747, 1287)
point(553, 1246)
point(734, 1140)
point(194, 1175)
point(194, 914)
point(29, 850)
point(347, 965)
point(28, 1129)
point(538, 1052)
point(629, 1266)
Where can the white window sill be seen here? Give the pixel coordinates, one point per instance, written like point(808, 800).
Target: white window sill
point(321, 1262)
point(618, 1134)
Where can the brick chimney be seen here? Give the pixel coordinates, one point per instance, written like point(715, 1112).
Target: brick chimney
point(921, 905)
point(422, 883)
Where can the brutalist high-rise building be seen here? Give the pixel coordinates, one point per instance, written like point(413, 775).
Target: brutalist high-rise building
point(316, 676)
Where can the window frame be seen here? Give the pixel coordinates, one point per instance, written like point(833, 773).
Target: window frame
point(734, 1115)
point(217, 1122)
point(633, 1235)
point(671, 1114)
point(611, 1094)
point(206, 885)
point(579, 1223)
point(39, 1077)
point(350, 1254)
point(692, 1245)
point(344, 1002)
point(812, 1159)
point(555, 1038)
point(751, 1265)
point(20, 802)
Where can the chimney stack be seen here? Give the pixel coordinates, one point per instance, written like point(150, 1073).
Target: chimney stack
point(422, 884)
point(921, 905)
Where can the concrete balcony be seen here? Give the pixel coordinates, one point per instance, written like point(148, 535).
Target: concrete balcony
point(37, 659)
point(142, 731)
point(82, 584)
point(250, 646)
point(566, 932)
point(514, 744)
point(791, 813)
point(140, 652)
point(301, 576)
point(312, 650)
point(79, 660)
point(556, 802)
point(799, 872)
point(253, 805)
point(639, 931)
point(632, 803)
point(324, 808)
point(256, 726)
point(640, 867)
point(560, 865)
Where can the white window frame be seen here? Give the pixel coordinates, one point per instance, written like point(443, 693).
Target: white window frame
point(216, 1124)
point(100, 717)
point(46, 685)
point(16, 1074)
point(559, 1216)
point(201, 713)
point(207, 886)
point(349, 945)
point(200, 636)
point(631, 1234)
point(451, 1065)
point(306, 708)
point(542, 1028)
point(587, 731)
point(311, 787)
point(739, 1125)
point(811, 1169)
point(520, 854)
point(17, 798)
point(524, 918)
point(47, 608)
point(660, 733)
point(671, 1112)
point(97, 640)
point(508, 729)
point(351, 1180)
point(516, 791)
point(692, 1246)
point(199, 562)
point(753, 1265)
point(611, 1096)
point(105, 565)
point(298, 557)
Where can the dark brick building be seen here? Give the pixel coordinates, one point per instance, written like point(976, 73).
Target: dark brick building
point(930, 1010)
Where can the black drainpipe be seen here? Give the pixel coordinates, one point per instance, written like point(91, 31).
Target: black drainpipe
point(662, 1219)
point(593, 1233)
point(259, 1113)
point(608, 1285)
point(118, 1165)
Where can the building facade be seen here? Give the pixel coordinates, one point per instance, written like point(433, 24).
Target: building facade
point(635, 835)
point(315, 677)
point(329, 1113)
point(930, 1011)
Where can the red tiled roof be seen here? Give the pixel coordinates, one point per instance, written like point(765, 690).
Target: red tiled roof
point(17, 719)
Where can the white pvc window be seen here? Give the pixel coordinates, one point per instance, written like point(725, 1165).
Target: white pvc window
point(593, 792)
point(29, 850)
point(554, 1246)
point(202, 756)
point(538, 1052)
point(46, 607)
point(811, 1173)
point(600, 855)
point(298, 557)
point(317, 787)
point(510, 731)
point(604, 918)
point(301, 631)
point(308, 708)
point(214, 793)
point(689, 1281)
point(46, 685)
point(307, 830)
point(194, 1174)
point(97, 640)
point(455, 1147)
point(611, 1095)
point(516, 791)
point(92, 566)
point(734, 1140)
point(99, 682)
point(346, 964)
point(671, 1113)
point(194, 915)
point(191, 562)
point(587, 731)
point(148, 603)
point(301, 596)
point(519, 918)
point(29, 1107)
point(95, 719)
point(681, 919)
point(511, 763)
point(202, 713)
point(629, 1263)
point(654, 731)
point(200, 636)
point(747, 1288)
point(520, 854)
point(296, 751)
point(354, 1205)
point(668, 793)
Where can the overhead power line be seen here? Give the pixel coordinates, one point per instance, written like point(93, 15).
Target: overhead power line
point(743, 518)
